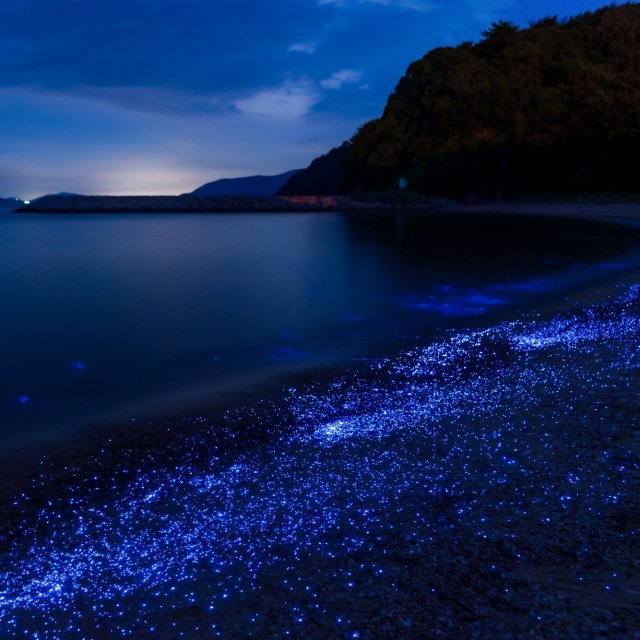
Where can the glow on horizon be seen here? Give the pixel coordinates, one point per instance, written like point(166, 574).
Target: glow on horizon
point(143, 153)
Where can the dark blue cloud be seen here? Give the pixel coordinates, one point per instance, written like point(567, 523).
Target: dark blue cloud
point(185, 45)
point(217, 47)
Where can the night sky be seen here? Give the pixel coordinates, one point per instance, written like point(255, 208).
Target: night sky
point(160, 96)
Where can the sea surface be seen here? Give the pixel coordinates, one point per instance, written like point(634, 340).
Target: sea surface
point(107, 319)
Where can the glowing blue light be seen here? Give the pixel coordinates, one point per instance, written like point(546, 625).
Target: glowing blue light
point(441, 441)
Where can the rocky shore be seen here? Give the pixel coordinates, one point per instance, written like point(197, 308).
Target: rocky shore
point(591, 207)
point(212, 204)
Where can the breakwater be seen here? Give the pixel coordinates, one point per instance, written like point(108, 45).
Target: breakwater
point(211, 204)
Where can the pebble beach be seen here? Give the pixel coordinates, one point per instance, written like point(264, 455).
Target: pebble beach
point(485, 486)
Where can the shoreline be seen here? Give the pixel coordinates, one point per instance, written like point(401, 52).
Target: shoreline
point(623, 213)
point(144, 414)
point(541, 580)
point(514, 568)
point(208, 204)
point(153, 416)
point(157, 414)
point(592, 208)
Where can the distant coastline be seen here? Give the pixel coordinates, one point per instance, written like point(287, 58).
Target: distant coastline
point(592, 207)
point(217, 204)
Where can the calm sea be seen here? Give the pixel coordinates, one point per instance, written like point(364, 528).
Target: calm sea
point(117, 318)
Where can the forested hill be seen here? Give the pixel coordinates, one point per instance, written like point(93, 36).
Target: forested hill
point(555, 106)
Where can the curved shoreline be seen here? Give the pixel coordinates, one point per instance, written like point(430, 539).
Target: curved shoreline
point(447, 581)
point(586, 208)
point(210, 204)
point(479, 505)
point(625, 213)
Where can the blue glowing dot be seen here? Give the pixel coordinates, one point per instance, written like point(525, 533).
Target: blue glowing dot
point(78, 366)
point(24, 399)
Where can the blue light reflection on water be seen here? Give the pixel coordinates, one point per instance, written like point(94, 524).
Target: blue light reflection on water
point(102, 312)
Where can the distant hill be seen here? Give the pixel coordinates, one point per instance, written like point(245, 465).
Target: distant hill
point(552, 107)
point(63, 194)
point(323, 177)
point(9, 204)
point(249, 186)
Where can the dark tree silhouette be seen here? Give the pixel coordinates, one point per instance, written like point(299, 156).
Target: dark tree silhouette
point(555, 106)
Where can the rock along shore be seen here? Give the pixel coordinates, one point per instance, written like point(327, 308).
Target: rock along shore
point(625, 212)
point(210, 204)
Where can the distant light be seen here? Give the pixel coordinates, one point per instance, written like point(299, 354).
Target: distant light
point(78, 366)
point(24, 399)
point(27, 201)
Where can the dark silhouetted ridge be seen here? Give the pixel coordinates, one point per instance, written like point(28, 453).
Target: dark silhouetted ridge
point(249, 186)
point(323, 177)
